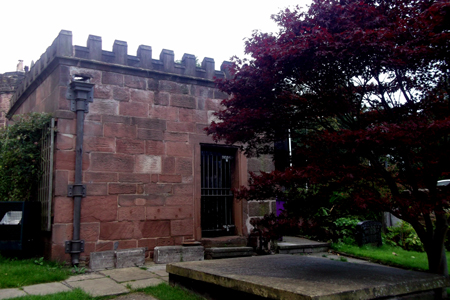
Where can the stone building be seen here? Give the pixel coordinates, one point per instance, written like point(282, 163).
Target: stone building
point(8, 84)
point(150, 174)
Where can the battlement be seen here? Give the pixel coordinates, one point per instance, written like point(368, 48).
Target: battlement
point(62, 47)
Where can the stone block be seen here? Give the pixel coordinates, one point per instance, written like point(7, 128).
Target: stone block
point(135, 82)
point(227, 252)
point(155, 229)
point(176, 136)
point(180, 127)
point(119, 130)
point(182, 227)
point(163, 112)
point(170, 178)
point(112, 78)
point(171, 254)
point(154, 147)
point(135, 109)
point(183, 166)
point(168, 165)
point(184, 101)
point(131, 213)
point(130, 258)
point(99, 208)
point(121, 188)
point(148, 164)
point(121, 94)
point(258, 208)
point(102, 260)
point(142, 96)
point(178, 149)
point(104, 106)
point(145, 134)
point(112, 162)
point(169, 212)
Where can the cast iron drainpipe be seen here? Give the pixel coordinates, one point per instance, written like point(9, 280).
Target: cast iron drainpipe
point(80, 93)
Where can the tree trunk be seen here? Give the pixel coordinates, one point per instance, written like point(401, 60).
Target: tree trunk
point(437, 260)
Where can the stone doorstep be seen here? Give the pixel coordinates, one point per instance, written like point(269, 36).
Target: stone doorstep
point(224, 241)
point(226, 252)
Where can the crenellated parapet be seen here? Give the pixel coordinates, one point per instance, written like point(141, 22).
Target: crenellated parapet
point(62, 47)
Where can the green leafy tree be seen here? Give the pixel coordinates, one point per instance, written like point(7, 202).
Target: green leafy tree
point(20, 157)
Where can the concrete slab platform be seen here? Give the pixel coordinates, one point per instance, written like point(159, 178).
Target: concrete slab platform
point(11, 293)
point(137, 284)
point(46, 288)
point(100, 287)
point(299, 277)
point(128, 274)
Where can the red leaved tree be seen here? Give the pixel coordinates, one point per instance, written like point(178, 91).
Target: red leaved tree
point(363, 87)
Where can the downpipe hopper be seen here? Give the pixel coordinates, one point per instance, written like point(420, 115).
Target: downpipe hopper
point(80, 93)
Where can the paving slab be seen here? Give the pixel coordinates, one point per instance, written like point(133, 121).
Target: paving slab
point(100, 287)
point(137, 284)
point(84, 277)
point(300, 277)
point(162, 273)
point(11, 293)
point(46, 288)
point(128, 274)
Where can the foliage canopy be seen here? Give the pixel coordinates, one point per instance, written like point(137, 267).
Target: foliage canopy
point(363, 87)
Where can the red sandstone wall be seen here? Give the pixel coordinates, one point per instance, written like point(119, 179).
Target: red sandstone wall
point(141, 151)
point(138, 163)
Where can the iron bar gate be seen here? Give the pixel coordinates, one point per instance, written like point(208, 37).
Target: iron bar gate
point(46, 182)
point(216, 195)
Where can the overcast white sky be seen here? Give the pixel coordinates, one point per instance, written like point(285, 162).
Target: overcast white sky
point(213, 29)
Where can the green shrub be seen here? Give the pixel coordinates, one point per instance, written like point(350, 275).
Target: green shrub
point(345, 229)
point(20, 156)
point(404, 236)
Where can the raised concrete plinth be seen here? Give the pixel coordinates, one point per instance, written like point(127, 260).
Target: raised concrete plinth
point(170, 254)
point(299, 277)
point(227, 252)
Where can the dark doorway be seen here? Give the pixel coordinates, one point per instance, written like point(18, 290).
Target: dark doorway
point(217, 166)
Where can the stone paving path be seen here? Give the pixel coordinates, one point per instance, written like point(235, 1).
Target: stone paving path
point(100, 283)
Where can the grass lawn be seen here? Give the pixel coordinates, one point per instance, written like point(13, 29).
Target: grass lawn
point(73, 295)
point(17, 273)
point(162, 292)
point(388, 255)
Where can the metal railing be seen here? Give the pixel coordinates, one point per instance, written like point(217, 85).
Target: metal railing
point(46, 182)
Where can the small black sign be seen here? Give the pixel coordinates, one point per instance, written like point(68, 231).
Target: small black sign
point(368, 232)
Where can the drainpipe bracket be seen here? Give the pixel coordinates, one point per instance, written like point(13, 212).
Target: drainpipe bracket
point(74, 190)
point(70, 245)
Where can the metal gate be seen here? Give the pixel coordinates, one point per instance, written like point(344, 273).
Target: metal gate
point(216, 195)
point(46, 182)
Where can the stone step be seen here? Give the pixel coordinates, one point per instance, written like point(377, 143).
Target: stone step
point(294, 245)
point(224, 241)
point(227, 252)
